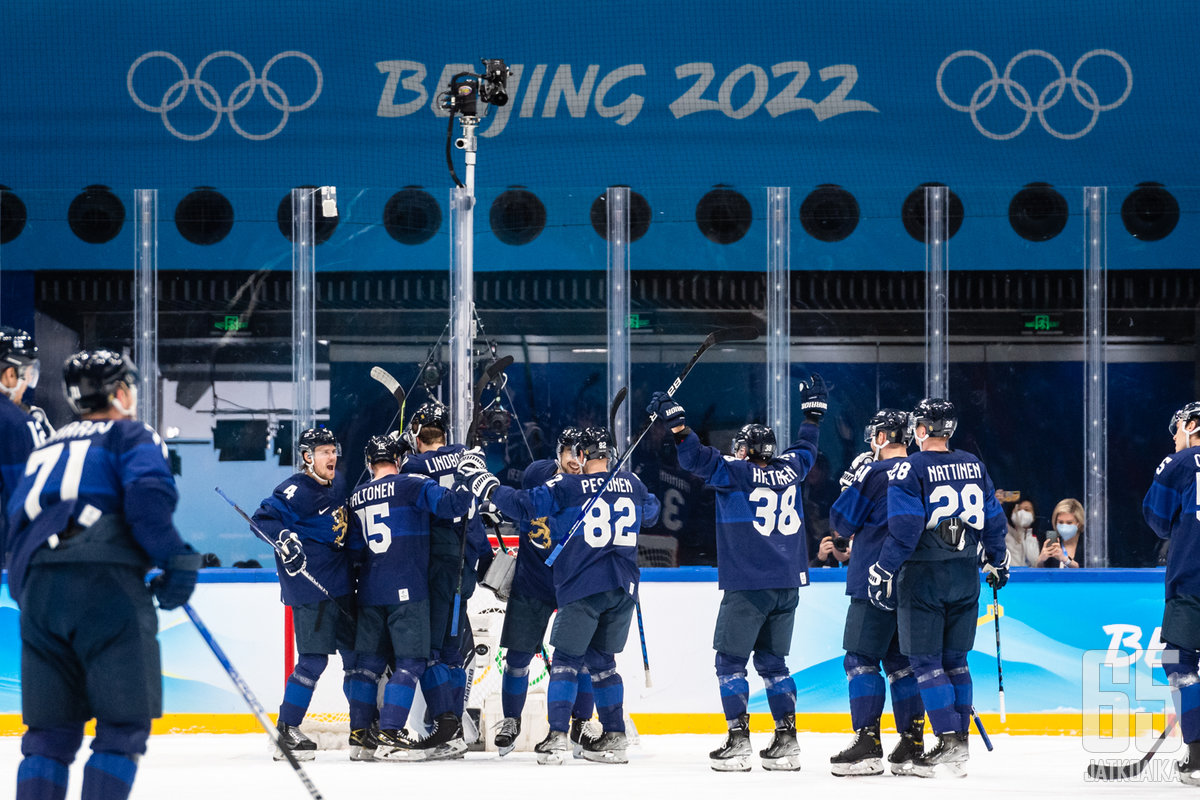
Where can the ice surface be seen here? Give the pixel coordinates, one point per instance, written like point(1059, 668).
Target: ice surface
point(225, 767)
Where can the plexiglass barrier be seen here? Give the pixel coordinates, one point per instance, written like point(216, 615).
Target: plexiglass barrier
point(1069, 328)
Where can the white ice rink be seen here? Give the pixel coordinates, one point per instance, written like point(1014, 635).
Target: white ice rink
point(225, 767)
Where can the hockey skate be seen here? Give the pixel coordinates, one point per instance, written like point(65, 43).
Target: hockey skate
point(608, 748)
point(864, 756)
point(911, 745)
point(290, 738)
point(735, 754)
point(1189, 768)
point(395, 745)
point(783, 754)
point(445, 741)
point(950, 752)
point(363, 743)
point(552, 749)
point(583, 731)
point(506, 737)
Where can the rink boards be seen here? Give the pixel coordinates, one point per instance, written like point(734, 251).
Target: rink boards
point(1080, 651)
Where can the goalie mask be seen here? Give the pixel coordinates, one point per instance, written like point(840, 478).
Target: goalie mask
point(594, 443)
point(892, 421)
point(91, 379)
point(939, 417)
point(758, 440)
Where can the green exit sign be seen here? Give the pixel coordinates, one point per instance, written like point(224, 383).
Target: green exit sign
point(231, 323)
point(637, 322)
point(1041, 323)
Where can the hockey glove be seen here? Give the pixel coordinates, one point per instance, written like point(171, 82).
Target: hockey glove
point(291, 553)
point(667, 409)
point(814, 398)
point(472, 461)
point(174, 586)
point(997, 573)
point(490, 514)
point(855, 465)
point(880, 584)
point(479, 484)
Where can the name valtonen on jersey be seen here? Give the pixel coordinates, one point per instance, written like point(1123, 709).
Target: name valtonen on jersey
point(783, 476)
point(373, 491)
point(955, 472)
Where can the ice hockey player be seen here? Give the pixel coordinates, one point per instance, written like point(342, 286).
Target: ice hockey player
point(19, 431)
point(595, 582)
point(762, 560)
point(305, 515)
point(1172, 511)
point(870, 637)
point(389, 518)
point(91, 515)
point(444, 683)
point(941, 507)
point(531, 602)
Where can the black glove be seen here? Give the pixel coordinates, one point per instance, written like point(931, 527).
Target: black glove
point(997, 573)
point(667, 409)
point(291, 553)
point(174, 586)
point(814, 398)
point(848, 476)
point(490, 514)
point(880, 584)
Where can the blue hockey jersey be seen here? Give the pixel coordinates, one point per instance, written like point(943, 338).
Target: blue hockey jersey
point(603, 553)
point(532, 578)
point(19, 434)
point(862, 512)
point(761, 542)
point(929, 487)
point(440, 464)
point(390, 518)
point(111, 470)
point(1172, 511)
point(314, 512)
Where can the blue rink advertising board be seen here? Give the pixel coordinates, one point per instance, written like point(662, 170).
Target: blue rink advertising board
point(1081, 652)
point(670, 98)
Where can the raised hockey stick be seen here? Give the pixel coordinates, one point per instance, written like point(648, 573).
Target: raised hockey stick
point(395, 390)
point(616, 405)
point(1130, 769)
point(999, 666)
point(275, 546)
point(490, 374)
point(251, 700)
point(745, 334)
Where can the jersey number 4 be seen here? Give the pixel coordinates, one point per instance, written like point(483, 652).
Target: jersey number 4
point(775, 512)
point(601, 526)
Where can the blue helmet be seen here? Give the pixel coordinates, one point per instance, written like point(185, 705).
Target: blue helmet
point(939, 417)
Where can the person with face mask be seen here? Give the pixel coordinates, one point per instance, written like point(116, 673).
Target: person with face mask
point(1062, 542)
point(1021, 541)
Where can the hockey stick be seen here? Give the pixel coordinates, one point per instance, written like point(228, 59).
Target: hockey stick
point(637, 604)
point(999, 666)
point(612, 409)
point(490, 373)
point(250, 699)
point(1130, 769)
point(716, 337)
point(275, 546)
point(987, 742)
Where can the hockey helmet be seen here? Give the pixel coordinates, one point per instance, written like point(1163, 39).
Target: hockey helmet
point(313, 438)
point(758, 439)
point(595, 442)
point(18, 350)
point(1185, 415)
point(92, 377)
point(939, 417)
point(894, 422)
point(430, 414)
point(569, 438)
point(381, 448)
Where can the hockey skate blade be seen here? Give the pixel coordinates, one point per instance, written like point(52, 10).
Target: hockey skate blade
point(904, 769)
point(362, 754)
point(1189, 778)
point(503, 751)
point(783, 764)
point(606, 756)
point(556, 758)
point(399, 754)
point(868, 766)
point(300, 755)
point(738, 764)
point(955, 769)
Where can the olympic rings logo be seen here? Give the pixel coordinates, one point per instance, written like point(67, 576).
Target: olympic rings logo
point(1020, 97)
point(208, 96)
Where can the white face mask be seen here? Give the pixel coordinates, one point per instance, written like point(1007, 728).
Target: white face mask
point(1022, 518)
point(1067, 532)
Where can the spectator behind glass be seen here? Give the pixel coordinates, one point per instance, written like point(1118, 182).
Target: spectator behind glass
point(1062, 542)
point(1022, 543)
